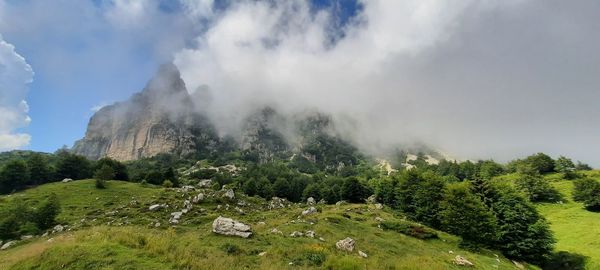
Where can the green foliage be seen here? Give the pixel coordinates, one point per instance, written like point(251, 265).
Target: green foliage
point(281, 188)
point(523, 233)
point(310, 258)
point(100, 183)
point(564, 165)
point(564, 260)
point(119, 169)
point(312, 190)
point(583, 167)
point(231, 249)
point(105, 172)
point(167, 184)
point(73, 166)
point(462, 213)
point(354, 191)
point(14, 175)
point(18, 218)
point(39, 169)
point(45, 216)
point(587, 190)
point(540, 162)
point(537, 188)
point(409, 229)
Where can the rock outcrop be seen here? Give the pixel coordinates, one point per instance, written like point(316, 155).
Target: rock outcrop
point(346, 244)
point(160, 119)
point(227, 226)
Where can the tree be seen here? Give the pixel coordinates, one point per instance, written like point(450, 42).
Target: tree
point(587, 191)
point(405, 192)
point(428, 196)
point(14, 175)
point(523, 233)
point(312, 190)
point(537, 188)
point(169, 174)
point(540, 162)
point(119, 169)
point(354, 191)
point(73, 166)
point(264, 188)
point(38, 169)
point(281, 188)
point(250, 187)
point(47, 212)
point(464, 214)
point(489, 169)
point(566, 167)
point(583, 167)
point(105, 172)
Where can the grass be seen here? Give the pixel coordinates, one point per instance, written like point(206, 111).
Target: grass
point(137, 244)
point(576, 229)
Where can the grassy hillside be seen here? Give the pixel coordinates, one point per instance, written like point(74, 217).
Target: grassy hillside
point(576, 229)
point(113, 229)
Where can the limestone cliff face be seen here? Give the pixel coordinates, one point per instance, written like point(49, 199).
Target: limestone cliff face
point(160, 119)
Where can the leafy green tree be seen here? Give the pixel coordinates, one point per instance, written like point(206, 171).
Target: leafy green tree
point(464, 214)
point(587, 191)
point(105, 172)
point(489, 169)
point(354, 191)
point(281, 188)
point(155, 177)
point(312, 190)
point(537, 188)
point(429, 194)
point(119, 169)
point(250, 187)
point(14, 175)
point(169, 173)
point(73, 166)
point(523, 233)
point(541, 162)
point(45, 216)
point(264, 188)
point(564, 165)
point(583, 167)
point(167, 184)
point(39, 170)
point(385, 191)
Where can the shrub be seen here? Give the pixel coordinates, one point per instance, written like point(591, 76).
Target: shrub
point(409, 229)
point(587, 191)
point(537, 188)
point(563, 260)
point(231, 249)
point(105, 172)
point(354, 191)
point(464, 214)
point(46, 213)
point(310, 258)
point(167, 184)
point(100, 183)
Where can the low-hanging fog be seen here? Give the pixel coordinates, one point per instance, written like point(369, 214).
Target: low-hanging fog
point(475, 79)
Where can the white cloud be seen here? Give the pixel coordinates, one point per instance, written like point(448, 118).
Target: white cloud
point(15, 74)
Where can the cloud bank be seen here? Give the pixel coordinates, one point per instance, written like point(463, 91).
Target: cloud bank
point(476, 79)
point(15, 74)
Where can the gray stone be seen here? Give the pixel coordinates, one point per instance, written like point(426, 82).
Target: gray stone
point(310, 201)
point(206, 183)
point(58, 228)
point(198, 198)
point(187, 188)
point(155, 207)
point(175, 216)
point(460, 260)
point(276, 231)
point(346, 244)
point(310, 234)
point(26, 237)
point(187, 204)
point(296, 234)
point(310, 211)
point(229, 194)
point(8, 245)
point(228, 226)
point(378, 206)
point(363, 254)
point(67, 180)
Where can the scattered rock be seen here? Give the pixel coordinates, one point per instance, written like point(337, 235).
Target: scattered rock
point(459, 260)
point(262, 253)
point(322, 239)
point(518, 265)
point(277, 203)
point(310, 201)
point(227, 226)
point(341, 203)
point(296, 234)
point(363, 254)
point(187, 188)
point(240, 210)
point(310, 211)
point(276, 231)
point(229, 194)
point(8, 245)
point(155, 207)
point(261, 223)
point(451, 252)
point(206, 183)
point(175, 216)
point(378, 206)
point(346, 244)
point(379, 219)
point(322, 201)
point(58, 228)
point(187, 204)
point(310, 234)
point(26, 237)
point(157, 224)
point(198, 198)
point(372, 199)
point(67, 180)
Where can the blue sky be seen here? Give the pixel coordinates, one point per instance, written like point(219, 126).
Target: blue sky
point(475, 79)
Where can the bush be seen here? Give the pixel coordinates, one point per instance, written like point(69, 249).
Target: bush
point(18, 218)
point(14, 175)
point(105, 172)
point(537, 188)
point(464, 214)
point(231, 249)
point(354, 191)
point(310, 258)
point(563, 260)
point(167, 184)
point(409, 229)
point(587, 191)
point(45, 216)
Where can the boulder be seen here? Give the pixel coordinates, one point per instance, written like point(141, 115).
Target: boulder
point(310, 234)
point(363, 254)
point(346, 244)
point(310, 211)
point(198, 198)
point(277, 203)
point(378, 206)
point(26, 237)
point(175, 216)
point(8, 245)
point(276, 231)
point(187, 188)
point(155, 207)
point(296, 234)
point(187, 204)
point(311, 201)
point(341, 203)
point(229, 194)
point(67, 180)
point(372, 199)
point(58, 228)
point(460, 260)
point(228, 226)
point(379, 219)
point(206, 183)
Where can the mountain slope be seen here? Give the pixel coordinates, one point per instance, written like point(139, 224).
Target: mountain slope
point(131, 240)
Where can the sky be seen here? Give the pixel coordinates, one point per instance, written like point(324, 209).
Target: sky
point(474, 79)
